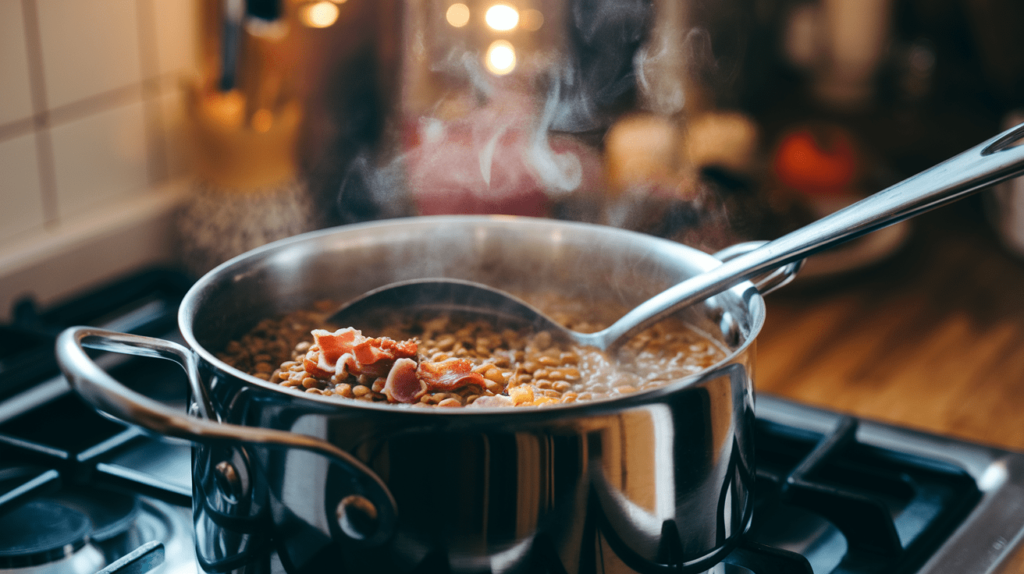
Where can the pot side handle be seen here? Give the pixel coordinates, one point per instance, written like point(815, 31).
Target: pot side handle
point(770, 281)
point(110, 396)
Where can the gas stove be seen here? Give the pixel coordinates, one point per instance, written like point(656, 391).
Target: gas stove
point(82, 493)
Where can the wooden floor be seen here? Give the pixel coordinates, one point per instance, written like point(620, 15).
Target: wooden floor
point(931, 339)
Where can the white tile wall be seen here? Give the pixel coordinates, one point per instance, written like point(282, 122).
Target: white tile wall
point(77, 78)
point(21, 206)
point(90, 47)
point(99, 159)
point(15, 92)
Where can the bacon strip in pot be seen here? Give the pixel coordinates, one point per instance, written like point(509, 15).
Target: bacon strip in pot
point(449, 375)
point(403, 385)
point(348, 352)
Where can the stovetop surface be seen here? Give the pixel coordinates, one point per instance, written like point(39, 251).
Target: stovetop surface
point(833, 494)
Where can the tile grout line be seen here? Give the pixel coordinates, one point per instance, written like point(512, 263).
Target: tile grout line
point(91, 105)
point(41, 118)
point(17, 128)
point(151, 88)
point(34, 51)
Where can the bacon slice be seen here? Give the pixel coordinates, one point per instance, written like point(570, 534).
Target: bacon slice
point(316, 366)
point(348, 352)
point(335, 345)
point(448, 375)
point(375, 356)
point(403, 386)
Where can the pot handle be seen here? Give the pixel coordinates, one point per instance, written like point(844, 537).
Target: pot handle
point(770, 281)
point(108, 395)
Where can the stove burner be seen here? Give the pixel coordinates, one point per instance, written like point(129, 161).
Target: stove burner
point(80, 529)
point(111, 513)
point(40, 532)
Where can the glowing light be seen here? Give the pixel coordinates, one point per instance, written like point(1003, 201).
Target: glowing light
point(532, 20)
point(320, 14)
point(457, 15)
point(500, 58)
point(502, 17)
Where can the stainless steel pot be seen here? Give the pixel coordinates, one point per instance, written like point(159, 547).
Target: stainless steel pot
point(657, 481)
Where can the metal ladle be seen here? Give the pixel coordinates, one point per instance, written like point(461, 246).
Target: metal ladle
point(990, 162)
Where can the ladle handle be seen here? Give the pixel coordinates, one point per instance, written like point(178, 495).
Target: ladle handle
point(776, 279)
point(990, 162)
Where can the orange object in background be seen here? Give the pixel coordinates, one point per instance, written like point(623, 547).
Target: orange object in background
point(816, 161)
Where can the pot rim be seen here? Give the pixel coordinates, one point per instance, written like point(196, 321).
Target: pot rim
point(745, 291)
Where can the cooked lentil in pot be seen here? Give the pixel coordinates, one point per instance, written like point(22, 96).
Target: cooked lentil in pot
point(448, 362)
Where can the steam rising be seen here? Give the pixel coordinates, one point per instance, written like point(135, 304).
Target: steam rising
point(487, 155)
point(559, 172)
point(597, 75)
point(661, 65)
point(512, 144)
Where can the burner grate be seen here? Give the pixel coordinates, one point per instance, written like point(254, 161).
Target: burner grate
point(62, 458)
point(862, 509)
point(144, 304)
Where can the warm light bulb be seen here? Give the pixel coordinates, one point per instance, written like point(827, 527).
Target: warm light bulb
point(502, 17)
point(457, 15)
point(500, 58)
point(320, 14)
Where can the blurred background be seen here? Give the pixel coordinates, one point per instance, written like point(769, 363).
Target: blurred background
point(183, 132)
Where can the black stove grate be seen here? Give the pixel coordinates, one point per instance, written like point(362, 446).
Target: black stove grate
point(63, 440)
point(145, 304)
point(849, 507)
point(58, 456)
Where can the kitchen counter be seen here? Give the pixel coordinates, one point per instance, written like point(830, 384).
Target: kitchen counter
point(931, 339)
